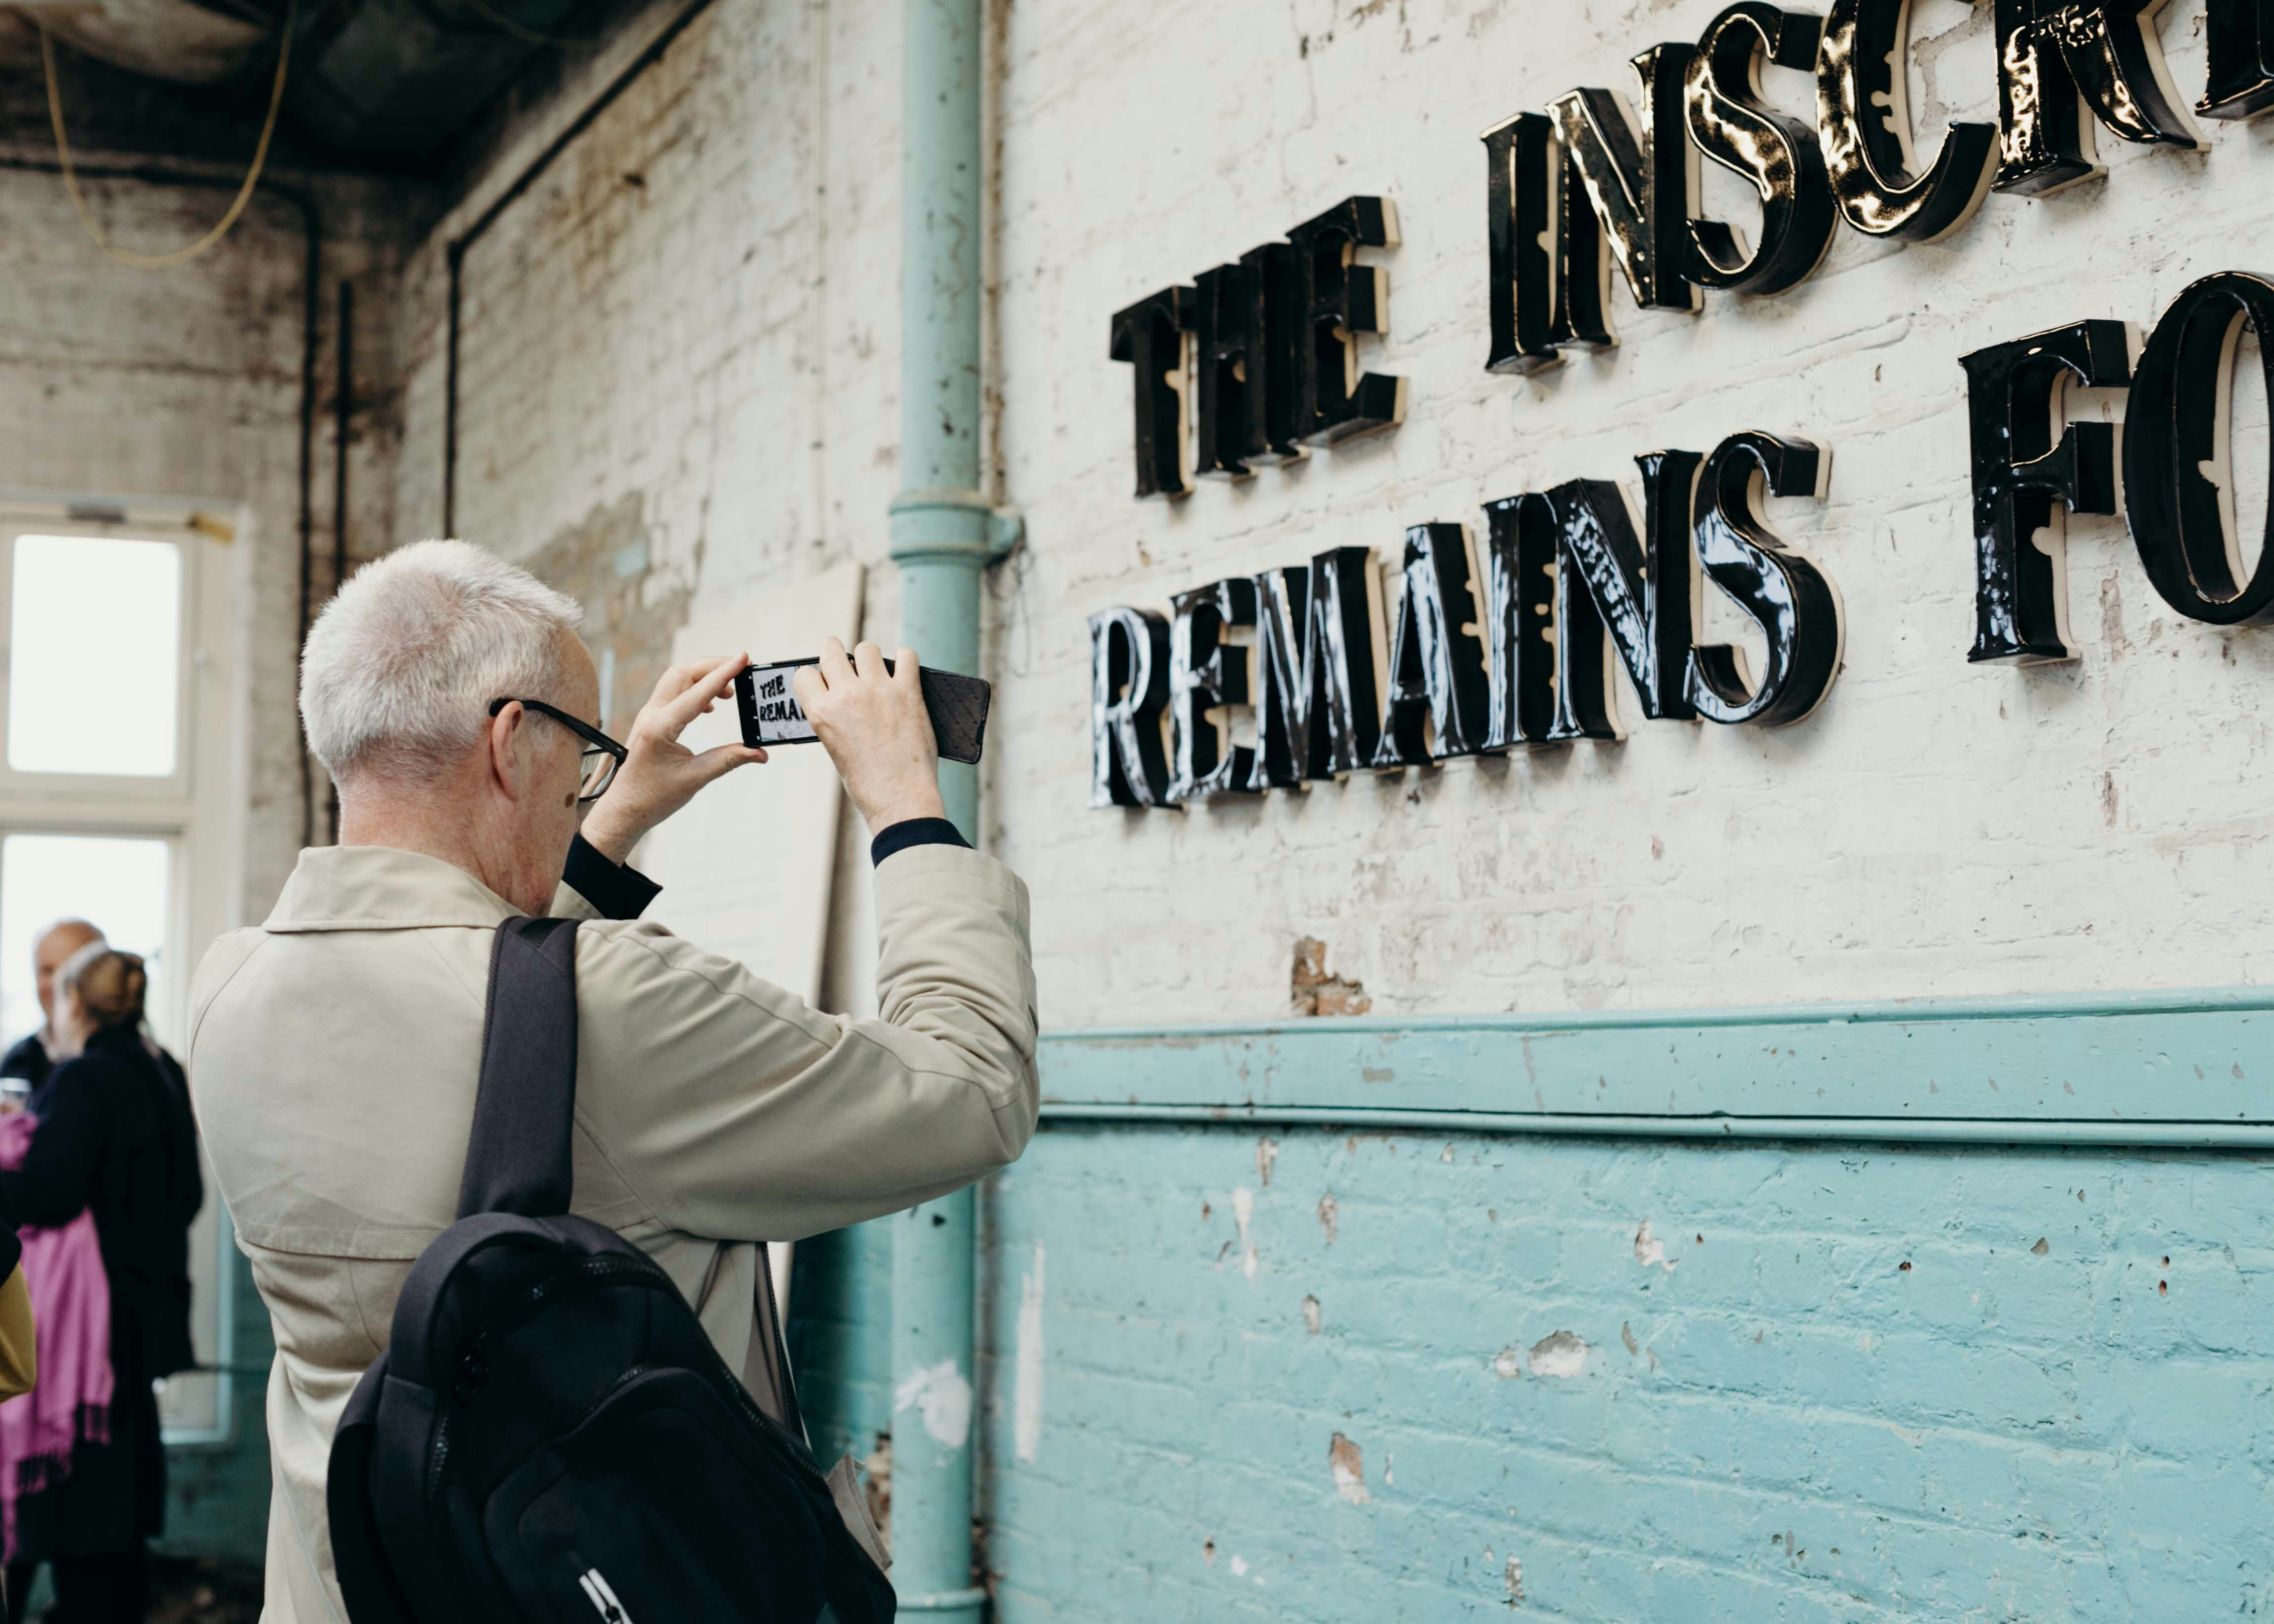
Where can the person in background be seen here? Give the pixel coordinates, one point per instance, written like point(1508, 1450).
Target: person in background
point(107, 1142)
point(28, 1057)
point(28, 1060)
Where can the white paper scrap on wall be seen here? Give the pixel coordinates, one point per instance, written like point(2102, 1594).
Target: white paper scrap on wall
point(746, 866)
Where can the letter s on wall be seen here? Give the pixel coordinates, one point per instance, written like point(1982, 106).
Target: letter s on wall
point(1794, 603)
point(1778, 155)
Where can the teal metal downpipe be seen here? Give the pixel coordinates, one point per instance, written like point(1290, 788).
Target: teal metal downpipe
point(944, 533)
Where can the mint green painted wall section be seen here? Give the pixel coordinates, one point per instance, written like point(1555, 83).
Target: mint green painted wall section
point(840, 1332)
point(1525, 1389)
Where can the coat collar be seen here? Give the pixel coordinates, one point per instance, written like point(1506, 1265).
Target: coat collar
point(380, 888)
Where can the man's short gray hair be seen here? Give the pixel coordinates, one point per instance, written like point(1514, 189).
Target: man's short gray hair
point(401, 666)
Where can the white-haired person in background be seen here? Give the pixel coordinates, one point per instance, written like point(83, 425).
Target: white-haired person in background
point(334, 1049)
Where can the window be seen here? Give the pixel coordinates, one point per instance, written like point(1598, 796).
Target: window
point(117, 803)
point(118, 880)
point(111, 608)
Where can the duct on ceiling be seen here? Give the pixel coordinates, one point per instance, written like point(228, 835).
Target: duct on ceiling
point(391, 79)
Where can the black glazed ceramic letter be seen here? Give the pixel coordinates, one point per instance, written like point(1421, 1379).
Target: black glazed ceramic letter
point(1790, 598)
point(1860, 92)
point(2026, 481)
point(1524, 190)
point(1342, 299)
point(1205, 672)
point(1343, 716)
point(1638, 184)
point(1778, 155)
point(1129, 689)
point(2241, 83)
point(2049, 54)
point(1436, 667)
point(1642, 591)
point(1283, 678)
point(2177, 427)
point(1150, 336)
point(1520, 645)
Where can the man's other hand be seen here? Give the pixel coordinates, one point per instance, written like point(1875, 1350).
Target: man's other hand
point(875, 726)
point(659, 774)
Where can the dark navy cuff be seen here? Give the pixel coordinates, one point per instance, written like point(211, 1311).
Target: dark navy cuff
point(916, 831)
point(617, 890)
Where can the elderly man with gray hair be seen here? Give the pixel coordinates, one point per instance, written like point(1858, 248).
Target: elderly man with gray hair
point(336, 1047)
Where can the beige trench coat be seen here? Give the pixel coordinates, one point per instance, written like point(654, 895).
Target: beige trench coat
point(333, 1053)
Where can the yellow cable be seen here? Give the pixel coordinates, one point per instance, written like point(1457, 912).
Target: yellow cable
point(243, 194)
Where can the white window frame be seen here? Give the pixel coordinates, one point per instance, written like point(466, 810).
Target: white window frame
point(197, 810)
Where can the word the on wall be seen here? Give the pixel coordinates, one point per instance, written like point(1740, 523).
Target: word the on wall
point(1273, 345)
point(1489, 650)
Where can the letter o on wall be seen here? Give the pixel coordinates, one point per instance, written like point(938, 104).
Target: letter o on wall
point(2176, 428)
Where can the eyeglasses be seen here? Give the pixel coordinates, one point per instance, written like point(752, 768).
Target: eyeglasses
point(602, 754)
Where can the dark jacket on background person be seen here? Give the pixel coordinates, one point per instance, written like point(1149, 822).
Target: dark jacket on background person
point(27, 1058)
point(112, 1140)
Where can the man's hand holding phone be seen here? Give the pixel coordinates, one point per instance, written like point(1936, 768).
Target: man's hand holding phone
point(874, 725)
point(659, 774)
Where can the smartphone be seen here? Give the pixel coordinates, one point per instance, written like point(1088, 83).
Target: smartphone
point(771, 716)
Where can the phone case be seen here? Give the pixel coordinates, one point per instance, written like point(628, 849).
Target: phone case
point(957, 704)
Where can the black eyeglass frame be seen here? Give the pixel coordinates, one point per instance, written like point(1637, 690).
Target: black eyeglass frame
point(593, 738)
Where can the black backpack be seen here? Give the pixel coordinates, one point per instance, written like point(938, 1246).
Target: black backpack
point(550, 1437)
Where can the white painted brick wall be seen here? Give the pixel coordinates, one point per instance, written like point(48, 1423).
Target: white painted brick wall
point(184, 383)
point(1934, 829)
point(721, 340)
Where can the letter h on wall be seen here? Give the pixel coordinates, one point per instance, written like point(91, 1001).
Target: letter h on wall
point(1273, 353)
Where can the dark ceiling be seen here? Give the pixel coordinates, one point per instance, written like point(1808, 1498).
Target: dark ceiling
point(388, 85)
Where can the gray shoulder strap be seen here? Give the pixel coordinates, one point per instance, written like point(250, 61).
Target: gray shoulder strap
point(518, 1160)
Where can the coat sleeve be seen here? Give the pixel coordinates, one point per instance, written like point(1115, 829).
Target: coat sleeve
point(733, 1109)
point(58, 1179)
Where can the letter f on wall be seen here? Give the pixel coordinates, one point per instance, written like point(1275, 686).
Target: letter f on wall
point(2026, 482)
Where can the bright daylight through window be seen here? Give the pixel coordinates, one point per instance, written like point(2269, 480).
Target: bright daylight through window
point(94, 604)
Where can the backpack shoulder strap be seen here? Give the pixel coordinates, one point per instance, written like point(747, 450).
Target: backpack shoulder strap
point(518, 1160)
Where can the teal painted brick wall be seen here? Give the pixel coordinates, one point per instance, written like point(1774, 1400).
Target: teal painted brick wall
point(839, 1326)
point(1776, 1421)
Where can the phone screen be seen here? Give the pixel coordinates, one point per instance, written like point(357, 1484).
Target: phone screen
point(769, 710)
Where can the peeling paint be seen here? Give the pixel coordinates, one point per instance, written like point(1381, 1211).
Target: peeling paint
point(1514, 1579)
point(1027, 1402)
point(1648, 1251)
point(942, 1396)
point(1315, 992)
point(1508, 1364)
point(1311, 1315)
point(1267, 1152)
point(1559, 1354)
point(1347, 1468)
point(1627, 1335)
point(1328, 1214)
point(1243, 1213)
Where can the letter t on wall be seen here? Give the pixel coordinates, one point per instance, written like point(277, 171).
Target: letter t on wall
point(2025, 482)
point(1150, 336)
